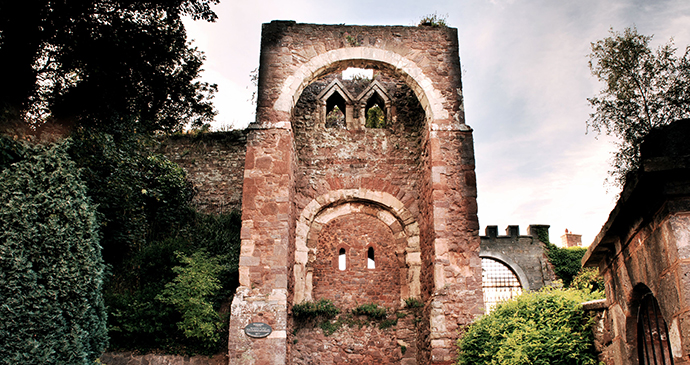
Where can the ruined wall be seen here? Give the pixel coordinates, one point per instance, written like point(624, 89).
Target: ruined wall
point(418, 174)
point(524, 254)
point(644, 249)
point(214, 163)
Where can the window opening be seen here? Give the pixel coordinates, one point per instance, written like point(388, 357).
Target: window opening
point(342, 261)
point(371, 263)
point(653, 347)
point(499, 283)
point(375, 112)
point(352, 73)
point(335, 111)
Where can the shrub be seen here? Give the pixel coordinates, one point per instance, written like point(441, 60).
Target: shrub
point(540, 328)
point(190, 292)
point(51, 268)
point(371, 310)
point(323, 308)
point(589, 281)
point(413, 303)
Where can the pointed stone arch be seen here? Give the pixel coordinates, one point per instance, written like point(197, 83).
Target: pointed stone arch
point(429, 97)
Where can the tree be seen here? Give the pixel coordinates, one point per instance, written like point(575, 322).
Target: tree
point(116, 65)
point(51, 271)
point(643, 90)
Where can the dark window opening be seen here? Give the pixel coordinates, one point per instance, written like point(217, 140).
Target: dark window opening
point(342, 261)
point(653, 346)
point(375, 112)
point(371, 263)
point(335, 111)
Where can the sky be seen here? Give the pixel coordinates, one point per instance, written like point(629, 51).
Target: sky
point(525, 78)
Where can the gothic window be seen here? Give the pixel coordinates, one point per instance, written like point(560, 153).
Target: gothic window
point(342, 260)
point(499, 283)
point(335, 111)
point(371, 263)
point(653, 347)
point(375, 112)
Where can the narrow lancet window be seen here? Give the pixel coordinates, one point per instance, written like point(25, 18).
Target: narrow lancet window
point(342, 262)
point(371, 264)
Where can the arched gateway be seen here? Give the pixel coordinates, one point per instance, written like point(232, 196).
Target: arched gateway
point(356, 211)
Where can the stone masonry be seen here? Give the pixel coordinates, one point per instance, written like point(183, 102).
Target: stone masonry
point(643, 250)
point(525, 255)
point(313, 187)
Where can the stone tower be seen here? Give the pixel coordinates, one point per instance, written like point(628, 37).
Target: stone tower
point(337, 207)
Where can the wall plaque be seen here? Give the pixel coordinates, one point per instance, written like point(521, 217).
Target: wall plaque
point(258, 330)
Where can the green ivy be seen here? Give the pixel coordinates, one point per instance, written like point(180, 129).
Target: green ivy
point(51, 269)
point(566, 261)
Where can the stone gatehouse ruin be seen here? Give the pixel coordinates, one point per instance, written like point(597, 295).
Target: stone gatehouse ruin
point(340, 205)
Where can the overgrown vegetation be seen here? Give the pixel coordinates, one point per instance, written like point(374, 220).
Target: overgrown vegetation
point(51, 269)
point(434, 20)
point(375, 118)
point(324, 314)
point(566, 261)
point(545, 327)
point(643, 90)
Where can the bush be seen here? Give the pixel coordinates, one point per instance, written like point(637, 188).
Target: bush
point(589, 281)
point(51, 268)
point(371, 310)
point(536, 328)
point(189, 294)
point(323, 308)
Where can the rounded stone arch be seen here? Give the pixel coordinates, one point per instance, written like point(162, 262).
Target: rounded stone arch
point(334, 204)
point(497, 256)
point(430, 98)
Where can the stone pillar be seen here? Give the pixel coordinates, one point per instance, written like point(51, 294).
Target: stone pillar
point(457, 298)
point(263, 292)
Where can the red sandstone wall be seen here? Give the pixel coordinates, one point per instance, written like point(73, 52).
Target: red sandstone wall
point(357, 284)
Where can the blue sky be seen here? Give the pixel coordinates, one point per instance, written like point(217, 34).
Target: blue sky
point(525, 81)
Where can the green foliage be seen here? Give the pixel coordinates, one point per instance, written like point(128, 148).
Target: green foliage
point(589, 281)
point(375, 118)
point(51, 269)
point(388, 323)
point(141, 322)
point(189, 293)
point(540, 328)
point(566, 261)
point(335, 118)
point(321, 308)
point(643, 90)
point(371, 310)
point(117, 66)
point(11, 151)
point(434, 20)
point(329, 327)
point(413, 303)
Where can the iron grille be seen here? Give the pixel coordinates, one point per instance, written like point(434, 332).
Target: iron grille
point(652, 334)
point(499, 283)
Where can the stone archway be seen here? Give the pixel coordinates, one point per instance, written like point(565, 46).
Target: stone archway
point(385, 207)
point(432, 100)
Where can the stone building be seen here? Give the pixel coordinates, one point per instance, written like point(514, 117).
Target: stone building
point(643, 252)
point(334, 207)
point(513, 263)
